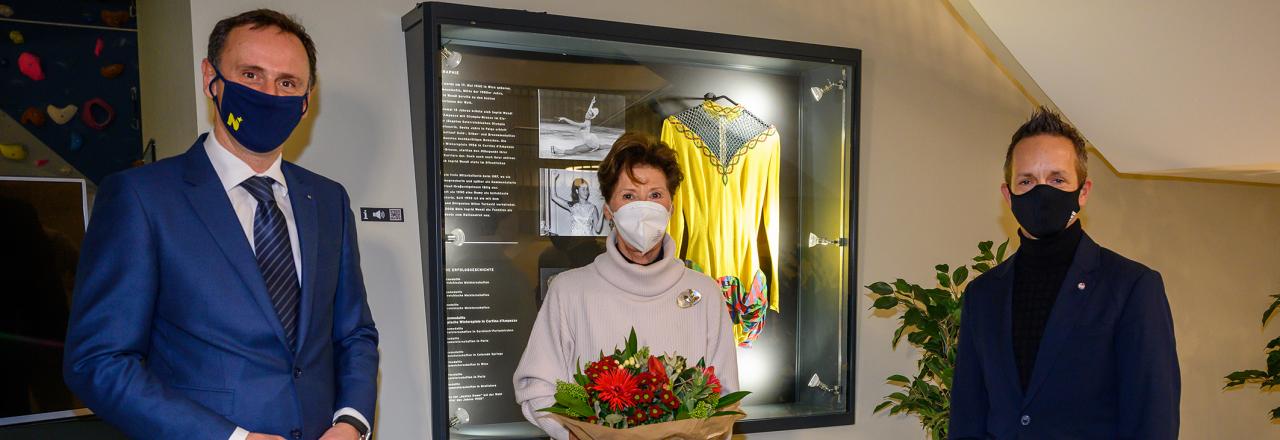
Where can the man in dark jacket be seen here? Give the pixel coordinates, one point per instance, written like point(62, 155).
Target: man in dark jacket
point(1066, 339)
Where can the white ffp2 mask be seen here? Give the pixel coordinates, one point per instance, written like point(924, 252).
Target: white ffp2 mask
point(642, 224)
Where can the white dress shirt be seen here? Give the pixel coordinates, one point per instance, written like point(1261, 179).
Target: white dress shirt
point(232, 172)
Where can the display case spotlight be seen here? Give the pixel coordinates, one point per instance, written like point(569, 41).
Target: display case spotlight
point(819, 91)
point(449, 58)
point(815, 382)
point(460, 417)
point(456, 237)
point(815, 240)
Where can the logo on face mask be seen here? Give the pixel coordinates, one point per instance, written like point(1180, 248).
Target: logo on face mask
point(234, 122)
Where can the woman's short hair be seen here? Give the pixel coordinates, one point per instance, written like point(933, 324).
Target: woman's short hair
point(577, 183)
point(631, 150)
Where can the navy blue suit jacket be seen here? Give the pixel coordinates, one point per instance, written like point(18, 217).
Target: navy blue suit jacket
point(172, 333)
point(1107, 365)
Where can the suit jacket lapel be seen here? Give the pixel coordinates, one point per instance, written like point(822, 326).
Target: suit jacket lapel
point(1066, 310)
point(212, 205)
point(305, 219)
point(1003, 349)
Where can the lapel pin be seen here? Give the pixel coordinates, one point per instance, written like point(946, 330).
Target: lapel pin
point(308, 196)
point(688, 298)
point(1080, 286)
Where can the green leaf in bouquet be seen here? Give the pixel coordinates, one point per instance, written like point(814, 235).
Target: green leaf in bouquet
point(556, 409)
point(727, 413)
point(572, 392)
point(631, 344)
point(581, 379)
point(579, 407)
point(731, 398)
point(701, 411)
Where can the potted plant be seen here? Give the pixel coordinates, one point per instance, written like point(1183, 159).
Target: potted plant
point(930, 320)
point(1267, 380)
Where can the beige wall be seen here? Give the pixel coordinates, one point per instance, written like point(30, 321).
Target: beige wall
point(936, 114)
point(168, 116)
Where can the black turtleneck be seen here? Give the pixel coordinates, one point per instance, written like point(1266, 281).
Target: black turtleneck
point(1038, 271)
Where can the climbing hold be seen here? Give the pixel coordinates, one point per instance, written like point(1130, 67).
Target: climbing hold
point(112, 71)
point(42, 162)
point(29, 64)
point(16, 37)
point(14, 152)
point(61, 115)
point(77, 141)
point(87, 114)
point(115, 18)
point(32, 117)
point(6, 11)
point(97, 47)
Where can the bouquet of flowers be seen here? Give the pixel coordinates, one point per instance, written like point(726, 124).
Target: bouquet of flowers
point(633, 394)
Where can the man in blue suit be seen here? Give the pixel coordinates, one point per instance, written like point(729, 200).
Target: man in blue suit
point(1066, 339)
point(219, 293)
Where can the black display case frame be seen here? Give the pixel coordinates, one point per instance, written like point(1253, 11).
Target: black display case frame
point(422, 35)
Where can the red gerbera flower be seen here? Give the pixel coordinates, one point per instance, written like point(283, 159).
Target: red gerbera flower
point(617, 388)
point(712, 380)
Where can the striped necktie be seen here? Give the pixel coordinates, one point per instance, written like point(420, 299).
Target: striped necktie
point(275, 255)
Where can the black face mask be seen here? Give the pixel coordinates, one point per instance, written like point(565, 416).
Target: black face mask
point(1044, 211)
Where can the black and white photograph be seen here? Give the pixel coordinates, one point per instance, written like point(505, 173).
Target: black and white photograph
point(578, 125)
point(572, 204)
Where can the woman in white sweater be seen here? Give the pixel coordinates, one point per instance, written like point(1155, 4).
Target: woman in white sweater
point(639, 282)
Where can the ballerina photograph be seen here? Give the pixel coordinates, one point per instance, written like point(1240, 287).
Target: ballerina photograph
point(577, 125)
point(571, 204)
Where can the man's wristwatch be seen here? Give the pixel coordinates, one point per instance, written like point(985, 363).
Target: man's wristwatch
point(355, 423)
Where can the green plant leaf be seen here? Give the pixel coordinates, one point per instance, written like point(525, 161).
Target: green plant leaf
point(886, 303)
point(881, 288)
point(982, 267)
point(985, 246)
point(944, 280)
point(1270, 311)
point(902, 286)
point(897, 335)
point(731, 398)
point(898, 378)
point(1000, 252)
point(961, 274)
point(881, 406)
point(1275, 413)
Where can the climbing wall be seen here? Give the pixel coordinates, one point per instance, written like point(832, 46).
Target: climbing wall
point(69, 76)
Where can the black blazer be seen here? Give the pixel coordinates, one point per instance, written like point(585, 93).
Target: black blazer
point(1107, 365)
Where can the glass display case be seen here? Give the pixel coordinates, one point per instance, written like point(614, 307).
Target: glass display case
point(512, 112)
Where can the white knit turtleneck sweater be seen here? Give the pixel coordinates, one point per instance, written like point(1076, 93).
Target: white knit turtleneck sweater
point(592, 309)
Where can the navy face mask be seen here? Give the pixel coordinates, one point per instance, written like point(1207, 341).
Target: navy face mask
point(1044, 211)
point(259, 121)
